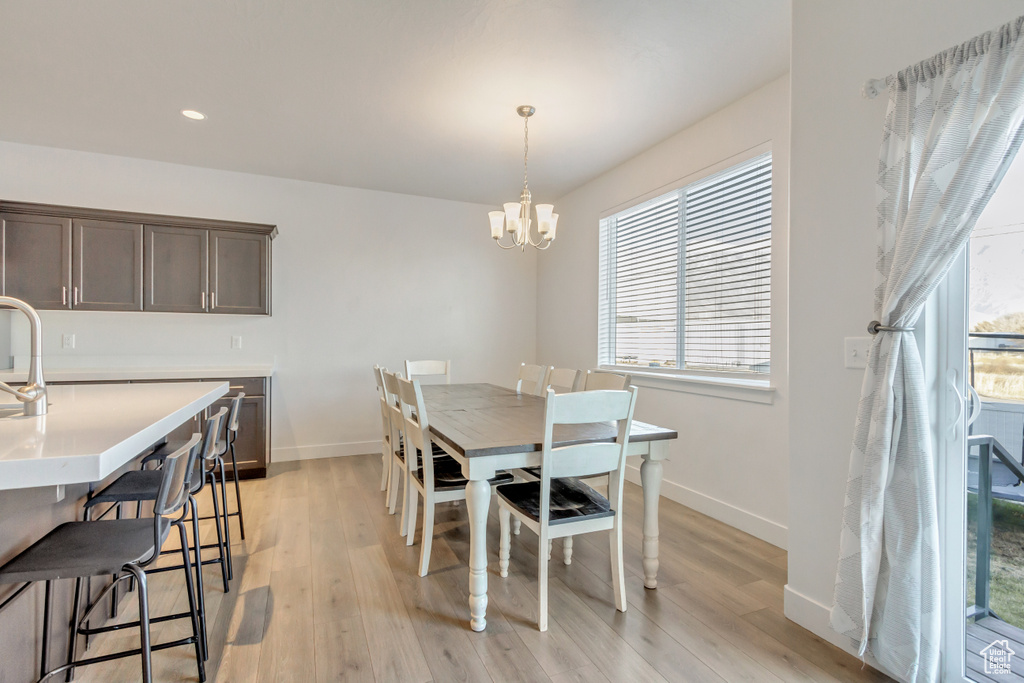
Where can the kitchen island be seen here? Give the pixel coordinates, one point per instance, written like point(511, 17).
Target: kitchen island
point(91, 430)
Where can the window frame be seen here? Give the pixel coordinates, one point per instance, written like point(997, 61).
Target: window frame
point(743, 385)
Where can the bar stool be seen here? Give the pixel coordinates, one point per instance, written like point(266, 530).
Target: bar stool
point(138, 486)
point(224, 446)
point(85, 549)
point(212, 457)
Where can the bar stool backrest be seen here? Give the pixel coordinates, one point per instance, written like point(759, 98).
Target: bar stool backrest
point(236, 409)
point(207, 451)
point(173, 493)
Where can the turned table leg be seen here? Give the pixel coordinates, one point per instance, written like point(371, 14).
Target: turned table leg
point(478, 499)
point(650, 477)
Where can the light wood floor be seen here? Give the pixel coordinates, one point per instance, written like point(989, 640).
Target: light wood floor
point(326, 590)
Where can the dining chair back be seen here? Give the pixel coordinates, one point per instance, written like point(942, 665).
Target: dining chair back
point(419, 369)
point(559, 505)
point(398, 463)
point(386, 450)
point(564, 380)
point(532, 379)
point(599, 381)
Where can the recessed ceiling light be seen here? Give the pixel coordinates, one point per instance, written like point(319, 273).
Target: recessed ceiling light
point(193, 114)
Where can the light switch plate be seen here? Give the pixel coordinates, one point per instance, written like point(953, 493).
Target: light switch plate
point(68, 341)
point(856, 352)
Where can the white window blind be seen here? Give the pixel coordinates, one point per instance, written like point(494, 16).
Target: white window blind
point(686, 277)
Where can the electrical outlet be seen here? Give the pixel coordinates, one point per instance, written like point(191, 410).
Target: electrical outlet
point(857, 350)
point(68, 341)
point(236, 342)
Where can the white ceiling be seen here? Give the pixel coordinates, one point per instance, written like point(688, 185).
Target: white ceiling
point(400, 95)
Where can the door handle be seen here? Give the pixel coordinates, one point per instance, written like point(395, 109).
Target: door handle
point(975, 405)
point(202, 300)
point(953, 384)
point(213, 300)
point(76, 296)
point(63, 295)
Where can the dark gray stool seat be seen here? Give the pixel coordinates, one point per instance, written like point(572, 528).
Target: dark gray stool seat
point(132, 486)
point(77, 549)
point(571, 500)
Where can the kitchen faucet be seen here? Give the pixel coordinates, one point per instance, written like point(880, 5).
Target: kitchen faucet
point(33, 394)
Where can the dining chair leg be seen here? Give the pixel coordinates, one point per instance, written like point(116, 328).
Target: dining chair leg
point(550, 544)
point(412, 502)
point(428, 536)
point(393, 485)
point(618, 585)
point(542, 581)
point(504, 541)
point(567, 550)
point(147, 653)
point(76, 608)
point(517, 525)
point(384, 471)
point(193, 609)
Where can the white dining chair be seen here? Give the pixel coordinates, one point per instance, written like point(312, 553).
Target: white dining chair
point(597, 381)
point(435, 479)
point(532, 379)
point(398, 472)
point(387, 451)
point(564, 380)
point(417, 369)
point(559, 504)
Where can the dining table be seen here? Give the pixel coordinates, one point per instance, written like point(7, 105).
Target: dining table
point(488, 428)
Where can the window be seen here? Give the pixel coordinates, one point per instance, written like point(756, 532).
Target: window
point(685, 278)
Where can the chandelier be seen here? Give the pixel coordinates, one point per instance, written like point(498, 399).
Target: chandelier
point(515, 219)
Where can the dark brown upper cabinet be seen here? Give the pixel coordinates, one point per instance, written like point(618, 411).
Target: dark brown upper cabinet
point(36, 263)
point(59, 257)
point(177, 269)
point(106, 266)
point(239, 269)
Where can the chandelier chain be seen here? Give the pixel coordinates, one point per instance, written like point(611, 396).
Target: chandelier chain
point(526, 149)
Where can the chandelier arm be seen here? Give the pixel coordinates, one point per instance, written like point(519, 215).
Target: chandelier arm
point(547, 245)
point(512, 246)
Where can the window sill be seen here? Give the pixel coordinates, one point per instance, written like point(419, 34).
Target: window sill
point(738, 389)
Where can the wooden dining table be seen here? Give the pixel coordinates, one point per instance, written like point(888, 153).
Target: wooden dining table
point(488, 428)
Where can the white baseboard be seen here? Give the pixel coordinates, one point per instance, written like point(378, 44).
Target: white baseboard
point(814, 617)
point(753, 524)
point(327, 450)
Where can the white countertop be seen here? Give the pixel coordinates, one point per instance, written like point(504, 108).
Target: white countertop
point(129, 373)
point(92, 430)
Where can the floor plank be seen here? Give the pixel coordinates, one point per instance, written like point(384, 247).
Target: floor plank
point(325, 590)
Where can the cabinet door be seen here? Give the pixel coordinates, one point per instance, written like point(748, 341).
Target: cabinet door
point(177, 261)
point(36, 259)
point(239, 272)
point(106, 266)
point(251, 443)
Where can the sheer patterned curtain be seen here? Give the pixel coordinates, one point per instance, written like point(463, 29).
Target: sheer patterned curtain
point(953, 125)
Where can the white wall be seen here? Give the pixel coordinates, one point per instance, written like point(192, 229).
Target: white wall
point(359, 277)
point(730, 460)
point(836, 136)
